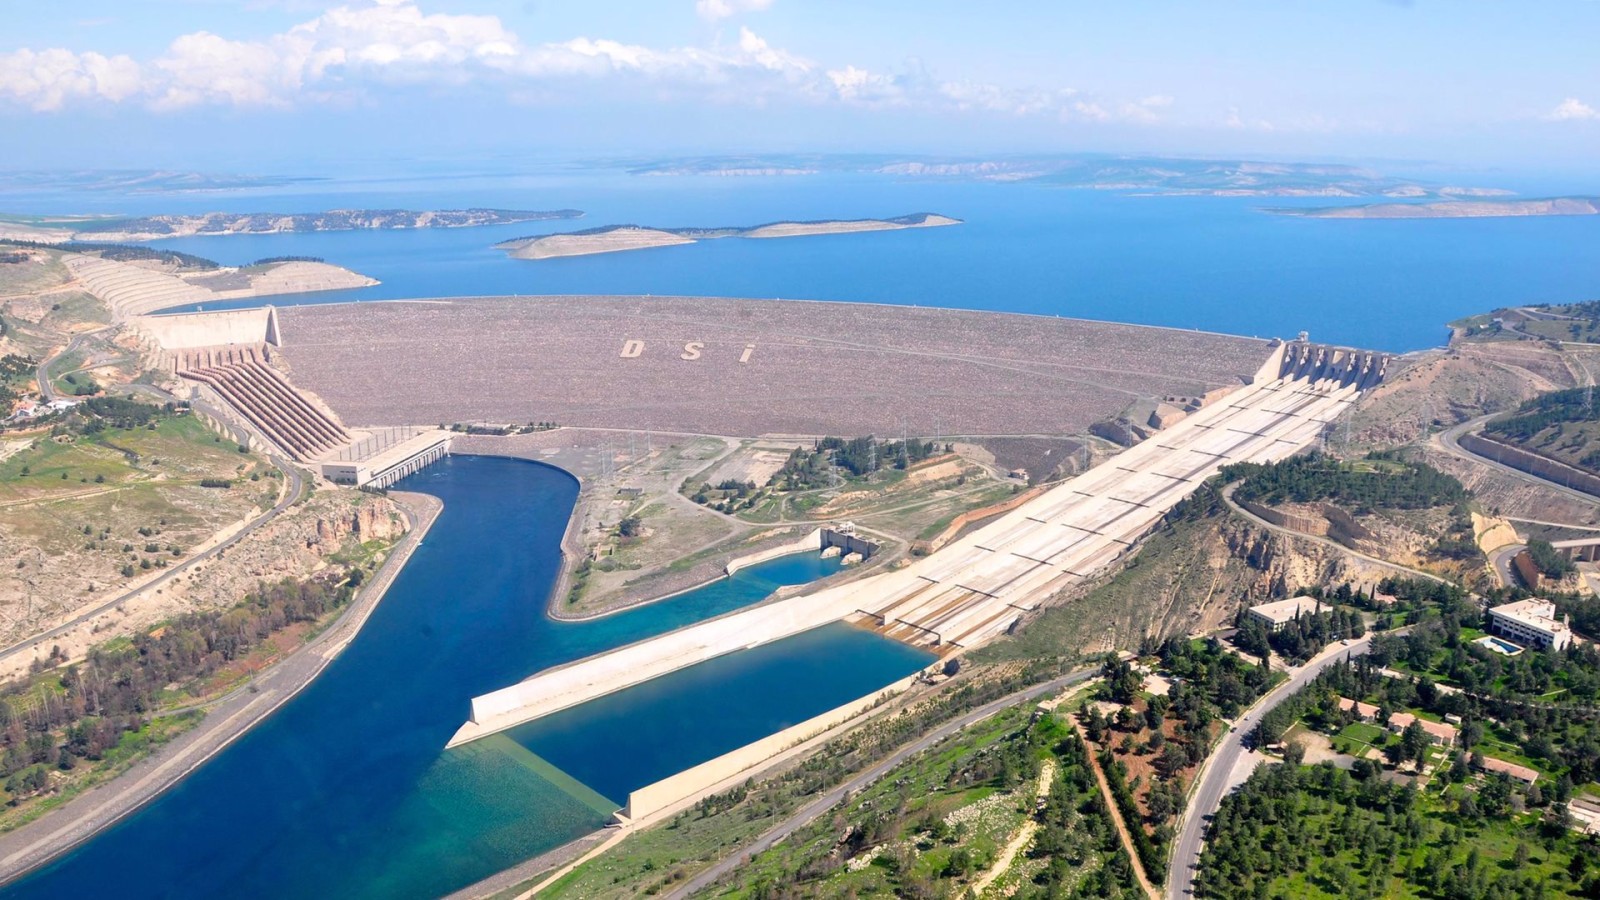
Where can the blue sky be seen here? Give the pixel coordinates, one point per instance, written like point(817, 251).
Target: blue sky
point(250, 82)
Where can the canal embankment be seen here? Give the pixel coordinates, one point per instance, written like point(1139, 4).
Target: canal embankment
point(226, 719)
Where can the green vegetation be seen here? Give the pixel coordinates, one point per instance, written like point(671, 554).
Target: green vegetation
point(652, 860)
point(939, 822)
point(1546, 410)
point(1550, 563)
point(1299, 831)
point(123, 252)
point(16, 370)
point(1562, 425)
point(1150, 747)
point(92, 713)
point(1379, 480)
point(1300, 639)
point(862, 456)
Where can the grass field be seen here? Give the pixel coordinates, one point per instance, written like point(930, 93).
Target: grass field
point(79, 513)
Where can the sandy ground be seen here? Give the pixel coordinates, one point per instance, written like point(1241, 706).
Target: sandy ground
point(1008, 854)
point(228, 718)
point(557, 245)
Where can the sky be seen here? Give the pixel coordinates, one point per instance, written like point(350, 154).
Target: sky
point(253, 83)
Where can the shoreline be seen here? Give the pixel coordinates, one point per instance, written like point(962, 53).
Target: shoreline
point(228, 718)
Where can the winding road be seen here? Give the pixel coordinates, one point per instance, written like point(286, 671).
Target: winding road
point(1449, 442)
point(1216, 776)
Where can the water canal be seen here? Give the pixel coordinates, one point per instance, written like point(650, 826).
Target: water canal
point(346, 791)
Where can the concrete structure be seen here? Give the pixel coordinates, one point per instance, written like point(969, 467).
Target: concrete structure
point(366, 465)
point(1279, 613)
point(1579, 549)
point(747, 367)
point(269, 402)
point(245, 327)
point(1531, 623)
point(727, 770)
point(232, 354)
point(978, 587)
point(1527, 461)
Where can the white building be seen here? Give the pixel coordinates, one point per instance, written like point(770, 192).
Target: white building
point(1531, 622)
point(1279, 613)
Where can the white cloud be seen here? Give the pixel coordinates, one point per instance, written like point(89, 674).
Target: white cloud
point(713, 10)
point(47, 79)
point(1573, 110)
point(1147, 110)
point(362, 47)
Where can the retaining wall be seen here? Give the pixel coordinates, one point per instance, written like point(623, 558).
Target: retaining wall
point(812, 541)
point(691, 785)
point(1532, 463)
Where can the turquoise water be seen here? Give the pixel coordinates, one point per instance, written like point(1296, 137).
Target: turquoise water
point(346, 791)
point(1216, 264)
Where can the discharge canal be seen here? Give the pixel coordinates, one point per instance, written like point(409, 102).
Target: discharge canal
point(346, 792)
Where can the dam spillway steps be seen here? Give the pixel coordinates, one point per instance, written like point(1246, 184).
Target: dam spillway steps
point(976, 589)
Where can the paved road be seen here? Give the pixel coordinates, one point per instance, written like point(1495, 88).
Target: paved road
point(1215, 778)
point(1449, 441)
point(1500, 561)
point(296, 486)
point(811, 811)
point(46, 389)
point(1227, 497)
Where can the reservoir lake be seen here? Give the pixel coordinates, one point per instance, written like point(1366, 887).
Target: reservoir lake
point(1212, 263)
point(347, 791)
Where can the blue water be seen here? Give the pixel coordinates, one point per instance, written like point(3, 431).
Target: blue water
point(1216, 264)
point(346, 791)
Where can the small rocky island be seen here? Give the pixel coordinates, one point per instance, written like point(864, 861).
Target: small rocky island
point(1453, 209)
point(147, 228)
point(616, 238)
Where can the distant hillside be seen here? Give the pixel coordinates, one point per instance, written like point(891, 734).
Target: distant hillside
point(146, 228)
point(1561, 425)
point(1453, 209)
point(616, 238)
point(1155, 175)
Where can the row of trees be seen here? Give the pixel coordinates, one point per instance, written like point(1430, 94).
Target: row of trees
point(808, 469)
point(1545, 411)
point(85, 709)
point(1383, 480)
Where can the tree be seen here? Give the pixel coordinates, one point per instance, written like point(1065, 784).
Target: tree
point(1414, 741)
point(629, 527)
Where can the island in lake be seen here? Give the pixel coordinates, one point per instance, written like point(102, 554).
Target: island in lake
point(616, 238)
point(1453, 209)
point(149, 228)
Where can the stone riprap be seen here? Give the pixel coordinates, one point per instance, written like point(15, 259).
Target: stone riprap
point(744, 367)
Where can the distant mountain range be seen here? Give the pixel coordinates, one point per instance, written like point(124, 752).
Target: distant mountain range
point(149, 228)
point(1137, 174)
point(1453, 209)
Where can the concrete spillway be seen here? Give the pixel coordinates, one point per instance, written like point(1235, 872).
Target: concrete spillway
point(976, 588)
